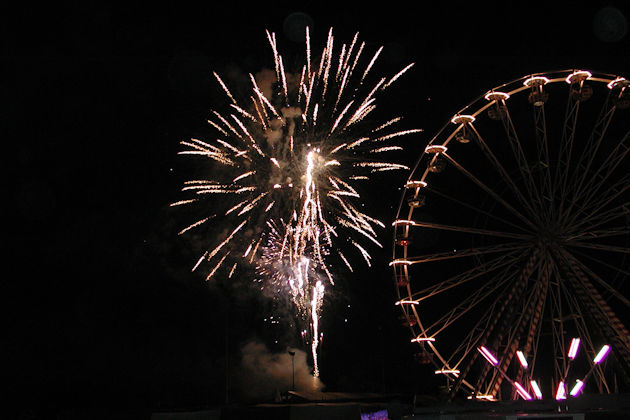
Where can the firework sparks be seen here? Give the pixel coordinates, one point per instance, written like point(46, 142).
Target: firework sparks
point(284, 168)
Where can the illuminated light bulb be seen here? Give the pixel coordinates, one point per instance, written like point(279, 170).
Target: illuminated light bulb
point(407, 302)
point(403, 222)
point(536, 81)
point(446, 371)
point(602, 354)
point(400, 262)
point(573, 348)
point(415, 184)
point(618, 81)
point(577, 388)
point(496, 96)
point(435, 149)
point(522, 391)
point(536, 389)
point(561, 392)
point(422, 339)
point(521, 359)
point(577, 76)
point(488, 355)
point(462, 119)
point(483, 397)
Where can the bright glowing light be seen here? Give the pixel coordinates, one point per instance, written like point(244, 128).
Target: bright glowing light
point(536, 81)
point(602, 354)
point(618, 81)
point(573, 348)
point(577, 76)
point(407, 302)
point(422, 339)
point(577, 388)
point(485, 397)
point(561, 392)
point(447, 371)
point(488, 355)
point(496, 96)
point(463, 119)
point(415, 184)
point(400, 262)
point(435, 149)
point(522, 359)
point(522, 391)
point(403, 222)
point(536, 389)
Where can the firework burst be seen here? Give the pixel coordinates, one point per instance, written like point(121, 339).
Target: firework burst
point(286, 166)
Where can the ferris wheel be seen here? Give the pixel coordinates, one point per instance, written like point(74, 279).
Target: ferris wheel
point(512, 241)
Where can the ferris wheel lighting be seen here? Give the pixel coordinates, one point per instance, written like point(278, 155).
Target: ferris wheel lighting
point(422, 339)
point(407, 302)
point(403, 222)
point(576, 76)
point(415, 184)
point(482, 397)
point(522, 391)
point(536, 389)
point(488, 355)
point(561, 392)
point(536, 81)
point(577, 388)
point(400, 262)
point(447, 371)
point(435, 149)
point(462, 119)
point(573, 348)
point(602, 354)
point(618, 81)
point(496, 96)
point(522, 359)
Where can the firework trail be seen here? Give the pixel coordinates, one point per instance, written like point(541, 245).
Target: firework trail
point(285, 168)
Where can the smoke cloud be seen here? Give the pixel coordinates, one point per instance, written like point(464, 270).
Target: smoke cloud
point(263, 374)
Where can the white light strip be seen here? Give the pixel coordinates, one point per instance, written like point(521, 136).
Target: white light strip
point(602, 354)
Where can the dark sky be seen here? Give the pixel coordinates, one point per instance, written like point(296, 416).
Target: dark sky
point(101, 305)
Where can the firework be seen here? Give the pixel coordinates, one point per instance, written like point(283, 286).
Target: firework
point(286, 166)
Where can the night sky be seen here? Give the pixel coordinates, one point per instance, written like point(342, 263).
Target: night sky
point(101, 306)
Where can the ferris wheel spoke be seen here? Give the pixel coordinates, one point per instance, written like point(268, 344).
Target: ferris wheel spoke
point(609, 288)
point(522, 163)
point(585, 336)
point(472, 230)
point(585, 161)
point(599, 309)
point(601, 175)
point(519, 154)
point(566, 140)
point(448, 255)
point(504, 174)
point(474, 208)
point(599, 234)
point(467, 304)
point(603, 247)
point(489, 191)
point(466, 276)
point(605, 199)
point(540, 129)
point(534, 330)
point(527, 320)
point(587, 255)
point(470, 341)
point(507, 306)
